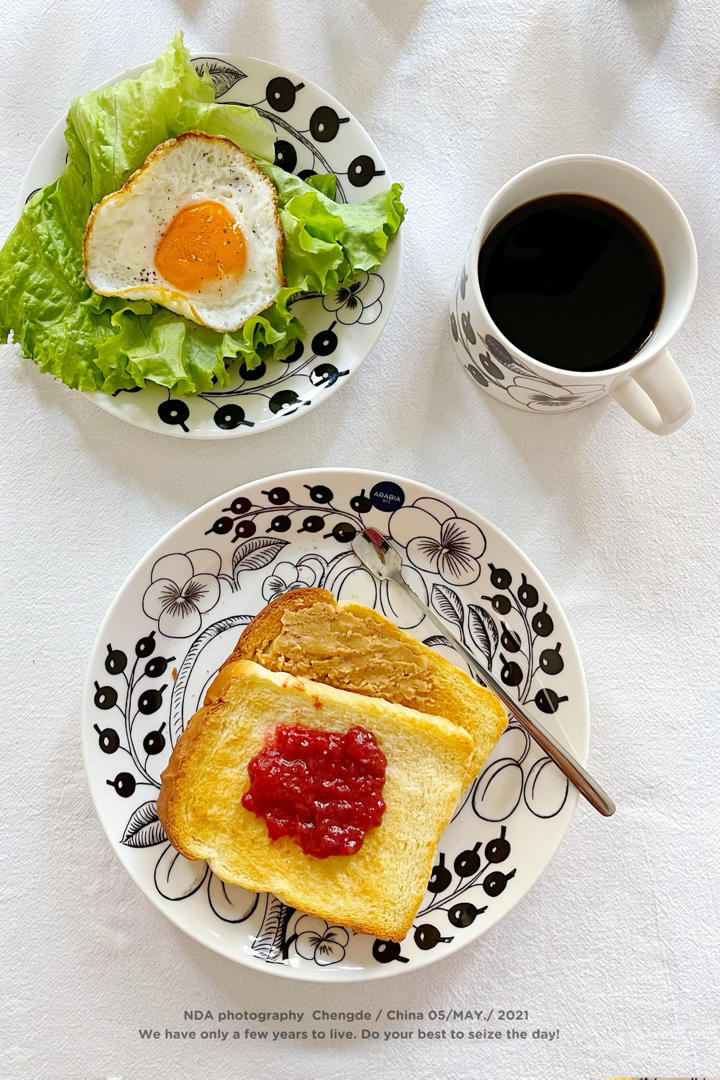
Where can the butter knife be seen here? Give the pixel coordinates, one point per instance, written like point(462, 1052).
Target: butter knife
point(385, 563)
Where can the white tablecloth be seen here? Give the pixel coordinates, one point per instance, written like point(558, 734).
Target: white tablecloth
point(617, 944)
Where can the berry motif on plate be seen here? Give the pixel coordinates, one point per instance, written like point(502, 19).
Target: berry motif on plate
point(474, 869)
point(314, 512)
point(192, 605)
point(294, 145)
point(132, 695)
point(283, 387)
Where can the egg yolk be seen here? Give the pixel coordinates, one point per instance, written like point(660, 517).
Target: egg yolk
point(202, 244)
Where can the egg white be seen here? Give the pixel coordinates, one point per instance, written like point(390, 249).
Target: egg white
point(125, 228)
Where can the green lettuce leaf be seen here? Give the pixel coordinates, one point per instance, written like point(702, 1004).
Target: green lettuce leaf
point(93, 342)
point(327, 243)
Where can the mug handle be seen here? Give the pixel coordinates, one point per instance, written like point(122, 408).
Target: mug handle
point(657, 395)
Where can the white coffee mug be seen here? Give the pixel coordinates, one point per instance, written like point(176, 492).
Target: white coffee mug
point(650, 385)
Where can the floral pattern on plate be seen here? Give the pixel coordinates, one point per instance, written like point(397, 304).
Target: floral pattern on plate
point(179, 616)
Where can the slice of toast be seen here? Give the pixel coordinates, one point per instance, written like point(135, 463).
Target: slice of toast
point(352, 647)
point(378, 889)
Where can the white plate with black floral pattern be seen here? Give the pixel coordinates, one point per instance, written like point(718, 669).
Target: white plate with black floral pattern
point(178, 616)
point(314, 134)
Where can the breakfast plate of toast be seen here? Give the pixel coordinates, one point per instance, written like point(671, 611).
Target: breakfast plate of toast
point(320, 336)
point(250, 648)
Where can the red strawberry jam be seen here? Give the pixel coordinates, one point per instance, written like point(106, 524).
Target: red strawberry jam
point(322, 787)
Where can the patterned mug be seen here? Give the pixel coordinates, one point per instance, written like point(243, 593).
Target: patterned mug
point(649, 385)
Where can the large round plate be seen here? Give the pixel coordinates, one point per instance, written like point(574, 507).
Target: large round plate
point(182, 610)
point(314, 133)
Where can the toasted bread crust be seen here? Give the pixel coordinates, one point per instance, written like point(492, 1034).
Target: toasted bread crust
point(175, 772)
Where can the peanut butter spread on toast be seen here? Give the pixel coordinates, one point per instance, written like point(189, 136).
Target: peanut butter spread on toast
point(341, 646)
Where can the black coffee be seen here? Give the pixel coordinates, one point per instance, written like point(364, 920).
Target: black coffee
point(572, 281)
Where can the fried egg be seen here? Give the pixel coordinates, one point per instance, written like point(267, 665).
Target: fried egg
point(195, 229)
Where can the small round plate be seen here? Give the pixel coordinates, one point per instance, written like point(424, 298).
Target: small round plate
point(314, 134)
point(178, 616)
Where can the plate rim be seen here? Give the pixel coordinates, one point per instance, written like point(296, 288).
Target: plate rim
point(97, 397)
point(301, 974)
